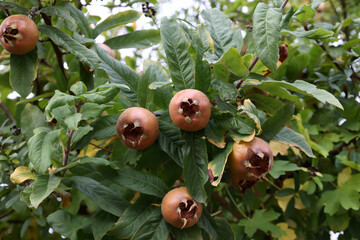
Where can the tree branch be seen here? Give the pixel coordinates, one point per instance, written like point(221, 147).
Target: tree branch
point(223, 203)
point(7, 112)
point(6, 214)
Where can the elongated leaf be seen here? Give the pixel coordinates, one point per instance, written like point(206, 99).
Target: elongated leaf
point(137, 39)
point(31, 118)
point(280, 167)
point(42, 147)
point(11, 5)
point(217, 228)
point(220, 29)
point(85, 55)
point(104, 93)
point(81, 21)
point(106, 199)
point(318, 33)
point(117, 71)
point(217, 165)
point(276, 122)
point(102, 222)
point(155, 228)
point(176, 44)
point(115, 20)
point(142, 182)
point(302, 87)
point(43, 186)
point(195, 164)
point(292, 138)
point(58, 11)
point(67, 224)
point(23, 71)
point(266, 34)
point(170, 139)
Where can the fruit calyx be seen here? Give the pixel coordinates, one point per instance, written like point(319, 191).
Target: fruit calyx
point(134, 133)
point(190, 109)
point(258, 163)
point(10, 35)
point(187, 210)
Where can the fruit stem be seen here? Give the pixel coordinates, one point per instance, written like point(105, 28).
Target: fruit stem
point(233, 201)
point(7, 112)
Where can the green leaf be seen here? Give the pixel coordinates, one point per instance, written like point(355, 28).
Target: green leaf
point(262, 220)
point(285, 192)
point(176, 44)
point(357, 50)
point(170, 139)
point(302, 87)
point(80, 133)
point(192, 233)
point(217, 165)
point(141, 182)
point(195, 166)
point(104, 197)
point(101, 223)
point(280, 167)
point(278, 121)
point(67, 116)
point(104, 93)
point(117, 19)
point(31, 118)
point(43, 186)
point(58, 11)
point(230, 66)
point(137, 39)
point(294, 139)
point(117, 71)
point(81, 21)
point(78, 88)
point(42, 147)
point(58, 100)
point(67, 224)
point(91, 111)
point(23, 71)
point(266, 34)
point(221, 31)
point(318, 33)
point(11, 5)
point(85, 55)
point(217, 228)
point(124, 155)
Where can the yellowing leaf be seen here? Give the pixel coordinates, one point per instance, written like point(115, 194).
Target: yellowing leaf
point(92, 148)
point(279, 148)
point(343, 176)
point(283, 201)
point(22, 174)
point(289, 233)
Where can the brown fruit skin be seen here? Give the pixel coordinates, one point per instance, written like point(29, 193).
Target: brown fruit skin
point(170, 204)
point(239, 158)
point(148, 123)
point(197, 123)
point(28, 30)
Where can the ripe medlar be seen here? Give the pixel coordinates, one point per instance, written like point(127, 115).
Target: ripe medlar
point(19, 34)
point(137, 128)
point(180, 209)
point(190, 110)
point(249, 161)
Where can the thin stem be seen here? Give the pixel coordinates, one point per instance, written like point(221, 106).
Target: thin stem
point(6, 214)
point(68, 147)
point(223, 203)
point(277, 187)
point(7, 112)
point(107, 150)
point(233, 201)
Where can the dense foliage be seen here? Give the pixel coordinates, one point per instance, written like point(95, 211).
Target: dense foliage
point(293, 81)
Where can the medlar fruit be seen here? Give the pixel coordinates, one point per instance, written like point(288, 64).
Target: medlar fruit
point(249, 161)
point(137, 128)
point(180, 209)
point(19, 34)
point(190, 110)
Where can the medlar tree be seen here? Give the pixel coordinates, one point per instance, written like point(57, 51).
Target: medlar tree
point(226, 136)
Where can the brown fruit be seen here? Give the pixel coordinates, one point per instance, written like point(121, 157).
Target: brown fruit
point(249, 161)
point(180, 209)
point(190, 110)
point(19, 34)
point(137, 128)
